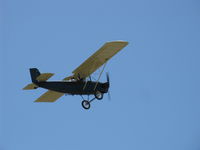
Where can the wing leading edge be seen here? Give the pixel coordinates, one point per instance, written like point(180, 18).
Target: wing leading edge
point(107, 51)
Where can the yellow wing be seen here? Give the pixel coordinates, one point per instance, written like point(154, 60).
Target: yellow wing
point(49, 96)
point(95, 61)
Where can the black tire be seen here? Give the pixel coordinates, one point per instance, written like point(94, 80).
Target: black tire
point(85, 104)
point(98, 95)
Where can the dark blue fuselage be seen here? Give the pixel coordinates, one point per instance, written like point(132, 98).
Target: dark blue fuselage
point(74, 88)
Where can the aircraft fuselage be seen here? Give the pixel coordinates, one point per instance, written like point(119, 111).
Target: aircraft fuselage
point(74, 88)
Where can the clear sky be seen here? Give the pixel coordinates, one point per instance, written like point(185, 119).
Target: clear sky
point(155, 80)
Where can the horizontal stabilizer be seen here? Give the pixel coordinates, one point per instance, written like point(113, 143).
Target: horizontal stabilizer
point(31, 86)
point(44, 76)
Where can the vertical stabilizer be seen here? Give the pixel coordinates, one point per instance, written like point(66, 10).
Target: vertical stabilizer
point(34, 74)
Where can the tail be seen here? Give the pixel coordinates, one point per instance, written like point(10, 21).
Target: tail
point(36, 77)
point(34, 74)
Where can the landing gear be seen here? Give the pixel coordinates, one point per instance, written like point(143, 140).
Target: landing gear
point(98, 95)
point(86, 104)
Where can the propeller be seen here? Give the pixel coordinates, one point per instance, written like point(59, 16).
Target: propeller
point(108, 81)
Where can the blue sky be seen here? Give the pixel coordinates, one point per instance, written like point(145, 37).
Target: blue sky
point(155, 79)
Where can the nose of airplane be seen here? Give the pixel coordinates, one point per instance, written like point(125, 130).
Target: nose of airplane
point(105, 87)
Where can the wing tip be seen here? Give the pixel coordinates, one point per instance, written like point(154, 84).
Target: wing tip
point(119, 41)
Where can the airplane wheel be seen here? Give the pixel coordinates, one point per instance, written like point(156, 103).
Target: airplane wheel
point(98, 95)
point(85, 104)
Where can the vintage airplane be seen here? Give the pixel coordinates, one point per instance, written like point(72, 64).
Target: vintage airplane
point(80, 82)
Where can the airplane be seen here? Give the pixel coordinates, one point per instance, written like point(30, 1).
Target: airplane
point(80, 82)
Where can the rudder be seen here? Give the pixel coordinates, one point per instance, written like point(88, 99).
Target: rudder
point(34, 74)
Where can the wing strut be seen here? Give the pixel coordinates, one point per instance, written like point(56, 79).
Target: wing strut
point(100, 75)
point(85, 85)
point(86, 82)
